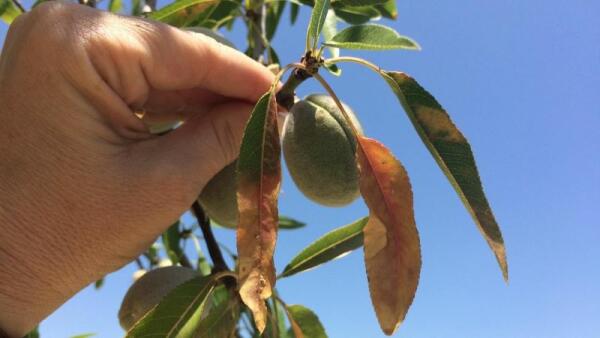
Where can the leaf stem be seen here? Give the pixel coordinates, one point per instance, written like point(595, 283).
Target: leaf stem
point(214, 251)
point(352, 59)
point(337, 102)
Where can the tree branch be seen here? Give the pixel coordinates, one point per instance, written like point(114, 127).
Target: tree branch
point(213, 247)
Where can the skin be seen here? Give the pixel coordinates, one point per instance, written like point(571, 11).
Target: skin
point(84, 187)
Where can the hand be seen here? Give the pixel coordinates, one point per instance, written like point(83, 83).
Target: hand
point(84, 187)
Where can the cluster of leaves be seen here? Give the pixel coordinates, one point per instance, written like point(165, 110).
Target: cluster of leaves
point(219, 303)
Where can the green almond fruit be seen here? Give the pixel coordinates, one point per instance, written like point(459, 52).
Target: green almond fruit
point(147, 291)
point(319, 148)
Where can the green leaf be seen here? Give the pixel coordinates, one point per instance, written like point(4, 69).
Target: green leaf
point(317, 19)
point(453, 153)
point(85, 335)
point(360, 3)
point(176, 310)
point(115, 6)
point(333, 69)
point(8, 11)
point(289, 223)
point(274, 12)
point(170, 239)
point(371, 37)
point(98, 284)
point(136, 7)
point(332, 245)
point(357, 15)
point(222, 317)
point(309, 323)
point(294, 10)
point(35, 333)
point(388, 9)
point(181, 7)
point(273, 57)
point(330, 30)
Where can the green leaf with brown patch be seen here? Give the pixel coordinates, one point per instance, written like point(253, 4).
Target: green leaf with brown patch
point(332, 245)
point(391, 240)
point(305, 323)
point(453, 154)
point(259, 180)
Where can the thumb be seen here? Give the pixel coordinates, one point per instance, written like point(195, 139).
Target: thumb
point(178, 165)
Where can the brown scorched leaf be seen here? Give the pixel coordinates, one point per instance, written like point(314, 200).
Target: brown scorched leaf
point(453, 154)
point(391, 240)
point(259, 179)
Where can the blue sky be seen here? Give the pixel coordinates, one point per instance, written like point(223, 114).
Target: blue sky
point(521, 79)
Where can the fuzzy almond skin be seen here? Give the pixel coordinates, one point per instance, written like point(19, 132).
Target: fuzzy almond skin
point(149, 290)
point(218, 198)
point(319, 148)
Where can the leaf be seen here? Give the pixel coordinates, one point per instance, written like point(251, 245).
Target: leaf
point(181, 9)
point(99, 283)
point(356, 15)
point(371, 37)
point(332, 245)
point(330, 30)
point(221, 319)
point(360, 3)
point(170, 239)
point(391, 240)
point(453, 154)
point(35, 333)
point(259, 180)
point(8, 11)
point(115, 6)
point(317, 19)
point(174, 312)
point(136, 7)
point(388, 9)
point(333, 69)
point(294, 10)
point(289, 223)
point(274, 12)
point(273, 57)
point(306, 321)
point(85, 335)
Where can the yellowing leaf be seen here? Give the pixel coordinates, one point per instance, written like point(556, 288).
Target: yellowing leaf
point(391, 240)
point(259, 179)
point(453, 154)
point(8, 11)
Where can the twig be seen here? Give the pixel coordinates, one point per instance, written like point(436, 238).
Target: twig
point(213, 247)
point(19, 6)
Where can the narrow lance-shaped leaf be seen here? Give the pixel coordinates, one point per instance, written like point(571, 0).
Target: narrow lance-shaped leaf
point(388, 9)
point(259, 179)
point(221, 319)
point(174, 312)
point(294, 11)
point(317, 19)
point(360, 3)
point(289, 223)
point(170, 239)
point(371, 37)
point(332, 245)
point(115, 6)
point(178, 11)
point(305, 323)
point(453, 154)
point(356, 15)
point(391, 240)
point(330, 30)
point(8, 11)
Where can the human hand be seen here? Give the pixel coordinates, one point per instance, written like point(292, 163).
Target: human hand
point(84, 187)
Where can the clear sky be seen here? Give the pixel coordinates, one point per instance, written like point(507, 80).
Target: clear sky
point(522, 81)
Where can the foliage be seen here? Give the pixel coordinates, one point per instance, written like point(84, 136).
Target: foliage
point(224, 302)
